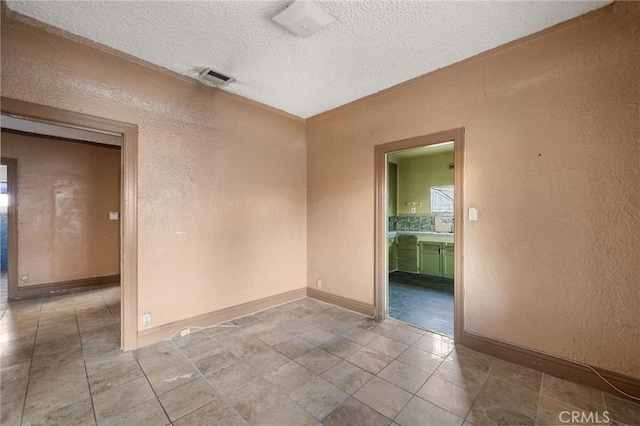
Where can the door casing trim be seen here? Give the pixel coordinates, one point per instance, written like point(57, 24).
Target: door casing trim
point(12, 225)
point(128, 198)
point(380, 232)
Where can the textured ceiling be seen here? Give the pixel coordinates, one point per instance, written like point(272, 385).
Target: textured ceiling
point(373, 45)
point(438, 149)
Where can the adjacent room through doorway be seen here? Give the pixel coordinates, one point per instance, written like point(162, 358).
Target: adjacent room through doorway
point(420, 236)
point(60, 206)
point(4, 204)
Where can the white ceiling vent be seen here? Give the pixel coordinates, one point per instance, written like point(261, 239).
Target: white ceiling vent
point(304, 17)
point(214, 78)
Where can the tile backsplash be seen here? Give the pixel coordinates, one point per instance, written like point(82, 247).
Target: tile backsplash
point(422, 222)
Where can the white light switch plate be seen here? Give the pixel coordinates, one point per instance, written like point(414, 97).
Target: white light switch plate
point(473, 214)
point(114, 216)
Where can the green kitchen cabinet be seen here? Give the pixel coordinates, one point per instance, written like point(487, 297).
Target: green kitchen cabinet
point(407, 249)
point(430, 259)
point(436, 259)
point(447, 260)
point(393, 255)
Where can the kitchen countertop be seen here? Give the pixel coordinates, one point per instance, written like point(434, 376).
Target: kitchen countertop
point(444, 237)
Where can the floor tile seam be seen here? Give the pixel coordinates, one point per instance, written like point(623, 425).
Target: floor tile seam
point(33, 351)
point(520, 386)
point(542, 395)
point(190, 361)
point(295, 402)
point(445, 358)
point(293, 359)
point(446, 409)
point(222, 397)
point(383, 415)
point(540, 399)
point(318, 376)
point(604, 400)
point(311, 343)
point(84, 361)
point(329, 413)
point(476, 398)
point(361, 386)
point(152, 390)
point(312, 372)
point(413, 394)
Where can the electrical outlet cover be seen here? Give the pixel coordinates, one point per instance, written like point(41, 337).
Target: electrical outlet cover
point(146, 319)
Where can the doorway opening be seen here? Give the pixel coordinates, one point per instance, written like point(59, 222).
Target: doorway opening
point(419, 232)
point(94, 208)
point(4, 232)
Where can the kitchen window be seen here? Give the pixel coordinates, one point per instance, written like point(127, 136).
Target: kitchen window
point(442, 199)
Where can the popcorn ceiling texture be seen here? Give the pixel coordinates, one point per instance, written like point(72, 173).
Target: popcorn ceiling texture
point(373, 45)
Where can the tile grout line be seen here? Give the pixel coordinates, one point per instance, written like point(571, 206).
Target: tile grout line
point(415, 395)
point(109, 308)
point(376, 375)
point(317, 375)
point(84, 360)
point(479, 392)
point(539, 399)
point(290, 360)
point(152, 390)
point(201, 375)
point(260, 375)
point(33, 351)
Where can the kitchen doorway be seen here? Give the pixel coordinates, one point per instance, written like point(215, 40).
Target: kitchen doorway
point(419, 232)
point(7, 166)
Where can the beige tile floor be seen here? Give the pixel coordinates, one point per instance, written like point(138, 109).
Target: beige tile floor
point(302, 363)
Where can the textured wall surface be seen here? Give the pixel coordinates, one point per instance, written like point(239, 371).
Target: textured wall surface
point(221, 181)
point(553, 167)
point(65, 193)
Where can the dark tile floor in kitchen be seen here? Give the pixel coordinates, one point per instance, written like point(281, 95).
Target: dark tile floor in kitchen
point(422, 301)
point(301, 363)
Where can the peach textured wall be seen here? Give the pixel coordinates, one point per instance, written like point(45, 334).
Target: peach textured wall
point(65, 193)
point(552, 165)
point(221, 180)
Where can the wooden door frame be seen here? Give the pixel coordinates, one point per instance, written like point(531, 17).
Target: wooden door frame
point(380, 233)
point(128, 199)
point(12, 224)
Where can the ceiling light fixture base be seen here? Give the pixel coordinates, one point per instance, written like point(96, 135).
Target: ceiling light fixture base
point(304, 17)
